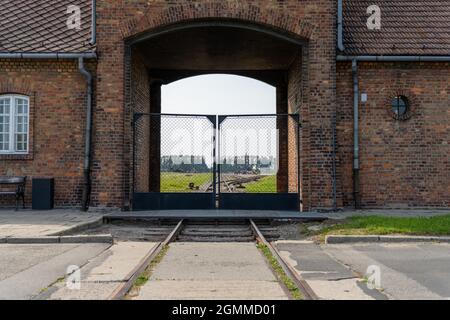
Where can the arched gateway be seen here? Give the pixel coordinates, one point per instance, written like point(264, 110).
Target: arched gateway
point(158, 43)
point(372, 102)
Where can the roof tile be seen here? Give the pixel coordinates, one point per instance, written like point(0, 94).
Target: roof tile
point(408, 27)
point(38, 26)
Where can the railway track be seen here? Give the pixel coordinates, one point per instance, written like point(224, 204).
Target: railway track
point(122, 290)
point(218, 231)
point(230, 184)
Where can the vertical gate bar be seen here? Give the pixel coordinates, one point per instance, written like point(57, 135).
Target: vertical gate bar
point(134, 155)
point(218, 157)
point(299, 130)
point(214, 137)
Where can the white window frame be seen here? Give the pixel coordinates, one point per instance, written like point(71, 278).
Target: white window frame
point(12, 125)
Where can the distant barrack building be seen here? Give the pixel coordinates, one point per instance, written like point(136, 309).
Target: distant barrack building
point(189, 164)
point(373, 102)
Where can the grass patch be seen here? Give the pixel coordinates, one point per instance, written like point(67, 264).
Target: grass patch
point(179, 182)
point(59, 280)
point(377, 225)
point(290, 285)
point(266, 184)
point(145, 276)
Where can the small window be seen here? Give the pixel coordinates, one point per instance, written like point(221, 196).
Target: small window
point(14, 124)
point(400, 106)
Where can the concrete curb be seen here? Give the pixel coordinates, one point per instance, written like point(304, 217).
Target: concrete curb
point(32, 240)
point(80, 227)
point(103, 238)
point(383, 239)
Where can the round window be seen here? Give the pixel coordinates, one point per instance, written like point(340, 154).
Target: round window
point(400, 106)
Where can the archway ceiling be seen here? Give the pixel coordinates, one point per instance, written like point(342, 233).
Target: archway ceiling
point(218, 49)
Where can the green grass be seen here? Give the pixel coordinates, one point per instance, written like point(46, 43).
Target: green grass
point(266, 184)
point(290, 285)
point(377, 225)
point(179, 182)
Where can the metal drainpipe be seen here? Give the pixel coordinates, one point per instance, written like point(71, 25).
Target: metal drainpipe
point(340, 27)
point(43, 56)
point(87, 147)
point(356, 166)
point(94, 23)
point(394, 58)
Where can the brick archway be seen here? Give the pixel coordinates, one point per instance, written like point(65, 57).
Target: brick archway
point(311, 87)
point(267, 16)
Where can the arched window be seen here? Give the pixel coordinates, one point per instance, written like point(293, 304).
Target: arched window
point(14, 124)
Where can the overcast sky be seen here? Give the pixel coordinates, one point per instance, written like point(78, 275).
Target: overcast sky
point(219, 94)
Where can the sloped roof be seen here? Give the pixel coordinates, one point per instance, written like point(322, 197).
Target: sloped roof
point(39, 26)
point(408, 27)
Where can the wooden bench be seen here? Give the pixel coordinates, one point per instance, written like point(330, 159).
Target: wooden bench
point(18, 192)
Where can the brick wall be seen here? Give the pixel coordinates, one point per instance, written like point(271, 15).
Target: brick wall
point(295, 94)
point(140, 98)
point(344, 128)
point(403, 163)
point(312, 20)
point(57, 94)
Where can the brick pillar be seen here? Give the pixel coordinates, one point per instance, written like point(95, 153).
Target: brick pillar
point(155, 137)
point(282, 127)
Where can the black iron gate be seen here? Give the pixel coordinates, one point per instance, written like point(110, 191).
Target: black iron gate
point(248, 162)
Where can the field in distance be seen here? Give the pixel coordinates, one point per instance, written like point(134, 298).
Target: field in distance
point(200, 182)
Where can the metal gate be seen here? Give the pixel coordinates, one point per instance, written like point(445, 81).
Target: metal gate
point(248, 162)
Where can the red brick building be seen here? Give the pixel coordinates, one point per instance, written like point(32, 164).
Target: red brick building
point(369, 79)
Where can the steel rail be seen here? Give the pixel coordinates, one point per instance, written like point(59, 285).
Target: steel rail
point(125, 287)
point(301, 284)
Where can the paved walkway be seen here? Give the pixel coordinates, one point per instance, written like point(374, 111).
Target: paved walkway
point(328, 278)
point(105, 273)
point(387, 213)
point(29, 223)
point(210, 271)
point(25, 270)
point(408, 271)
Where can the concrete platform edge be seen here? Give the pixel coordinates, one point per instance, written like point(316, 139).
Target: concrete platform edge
point(342, 239)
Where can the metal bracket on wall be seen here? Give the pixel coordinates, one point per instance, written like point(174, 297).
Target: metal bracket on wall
point(221, 119)
point(213, 120)
point(136, 117)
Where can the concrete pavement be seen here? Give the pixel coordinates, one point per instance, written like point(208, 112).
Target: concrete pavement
point(339, 239)
point(328, 278)
point(401, 213)
point(210, 271)
point(25, 270)
point(408, 271)
point(103, 274)
point(28, 223)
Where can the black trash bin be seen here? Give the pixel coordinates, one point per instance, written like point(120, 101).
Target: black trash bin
point(43, 193)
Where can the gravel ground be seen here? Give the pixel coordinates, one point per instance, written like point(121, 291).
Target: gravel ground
point(133, 231)
point(152, 231)
point(300, 230)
